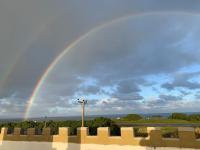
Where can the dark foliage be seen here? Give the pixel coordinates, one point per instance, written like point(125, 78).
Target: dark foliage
point(132, 117)
point(180, 116)
point(54, 125)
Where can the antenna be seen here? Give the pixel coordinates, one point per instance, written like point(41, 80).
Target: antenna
point(82, 102)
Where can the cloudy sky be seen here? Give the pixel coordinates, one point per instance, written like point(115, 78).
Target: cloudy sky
point(123, 56)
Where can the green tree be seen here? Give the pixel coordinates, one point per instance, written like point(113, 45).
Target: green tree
point(194, 117)
point(54, 125)
point(180, 116)
point(132, 117)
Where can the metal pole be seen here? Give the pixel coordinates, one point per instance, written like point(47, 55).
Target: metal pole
point(82, 102)
point(45, 122)
point(83, 112)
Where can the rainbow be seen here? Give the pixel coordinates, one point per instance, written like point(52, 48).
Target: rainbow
point(79, 39)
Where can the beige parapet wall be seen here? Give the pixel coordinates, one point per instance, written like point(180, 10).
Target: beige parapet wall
point(186, 138)
point(20, 145)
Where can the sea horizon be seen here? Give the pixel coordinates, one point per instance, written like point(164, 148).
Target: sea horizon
point(87, 117)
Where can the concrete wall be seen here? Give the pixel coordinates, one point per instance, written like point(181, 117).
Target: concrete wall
point(103, 140)
point(13, 145)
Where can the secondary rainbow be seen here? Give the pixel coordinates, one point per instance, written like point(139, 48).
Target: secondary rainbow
point(7, 73)
point(74, 43)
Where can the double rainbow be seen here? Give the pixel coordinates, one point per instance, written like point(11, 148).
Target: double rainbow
point(52, 65)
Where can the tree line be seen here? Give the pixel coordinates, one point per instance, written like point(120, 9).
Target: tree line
point(91, 124)
point(183, 116)
point(54, 125)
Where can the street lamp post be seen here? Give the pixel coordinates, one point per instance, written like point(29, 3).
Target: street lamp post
point(83, 102)
point(45, 121)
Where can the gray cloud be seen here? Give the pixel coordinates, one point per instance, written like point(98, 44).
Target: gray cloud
point(182, 80)
point(197, 95)
point(170, 97)
point(127, 86)
point(184, 93)
point(129, 96)
point(11, 104)
point(33, 33)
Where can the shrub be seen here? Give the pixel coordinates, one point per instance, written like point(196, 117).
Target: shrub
point(180, 116)
point(169, 132)
point(132, 117)
point(140, 132)
point(102, 122)
point(194, 117)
